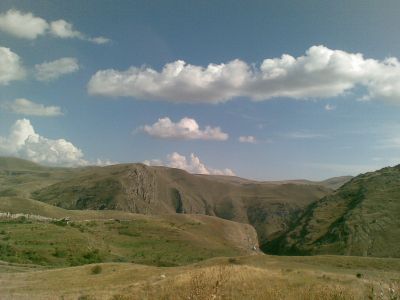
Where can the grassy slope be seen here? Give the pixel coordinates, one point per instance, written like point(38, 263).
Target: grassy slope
point(255, 277)
point(105, 236)
point(17, 164)
point(20, 177)
point(361, 218)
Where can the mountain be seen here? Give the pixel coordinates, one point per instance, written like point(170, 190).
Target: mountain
point(360, 218)
point(270, 207)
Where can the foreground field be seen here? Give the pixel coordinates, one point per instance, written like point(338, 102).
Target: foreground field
point(249, 277)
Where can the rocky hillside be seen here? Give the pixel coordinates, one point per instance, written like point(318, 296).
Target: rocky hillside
point(361, 218)
point(269, 206)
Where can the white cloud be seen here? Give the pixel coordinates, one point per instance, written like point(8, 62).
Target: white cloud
point(10, 66)
point(320, 73)
point(186, 129)
point(22, 25)
point(25, 143)
point(248, 139)
point(329, 107)
point(191, 165)
point(28, 26)
point(26, 107)
point(52, 70)
point(177, 82)
point(64, 30)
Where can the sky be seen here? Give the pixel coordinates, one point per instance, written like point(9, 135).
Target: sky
point(267, 90)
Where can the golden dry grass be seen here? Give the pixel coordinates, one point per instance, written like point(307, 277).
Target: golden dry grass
point(244, 282)
point(262, 277)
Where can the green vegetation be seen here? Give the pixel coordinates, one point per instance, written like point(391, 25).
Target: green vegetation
point(146, 241)
point(361, 218)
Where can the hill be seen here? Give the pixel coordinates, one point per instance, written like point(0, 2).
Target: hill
point(20, 177)
point(269, 206)
point(38, 233)
point(361, 218)
point(17, 164)
point(336, 182)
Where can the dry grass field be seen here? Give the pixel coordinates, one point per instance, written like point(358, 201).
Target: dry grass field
point(249, 277)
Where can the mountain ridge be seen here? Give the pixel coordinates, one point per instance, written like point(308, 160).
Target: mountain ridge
point(361, 218)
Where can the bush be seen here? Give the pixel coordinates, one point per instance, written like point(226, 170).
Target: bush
point(92, 257)
point(96, 269)
point(233, 260)
point(62, 222)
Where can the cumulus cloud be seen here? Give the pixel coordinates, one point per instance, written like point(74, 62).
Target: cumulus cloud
point(191, 164)
point(25, 143)
point(64, 30)
point(10, 66)
point(186, 129)
point(248, 139)
point(52, 70)
point(28, 26)
point(177, 82)
point(22, 25)
point(320, 73)
point(26, 107)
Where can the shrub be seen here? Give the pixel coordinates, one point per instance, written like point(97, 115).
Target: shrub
point(92, 257)
point(62, 222)
point(233, 260)
point(96, 269)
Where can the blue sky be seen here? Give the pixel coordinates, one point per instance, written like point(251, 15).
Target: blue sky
point(315, 122)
